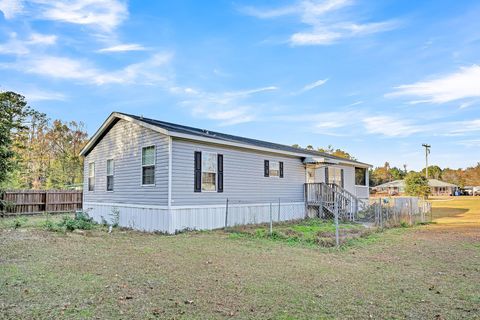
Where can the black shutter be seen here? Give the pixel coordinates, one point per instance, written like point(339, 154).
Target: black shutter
point(342, 177)
point(281, 169)
point(198, 172)
point(266, 168)
point(220, 172)
point(326, 174)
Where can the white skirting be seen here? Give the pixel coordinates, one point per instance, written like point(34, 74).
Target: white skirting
point(160, 218)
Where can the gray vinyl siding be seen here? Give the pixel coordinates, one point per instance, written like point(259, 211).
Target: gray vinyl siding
point(124, 143)
point(243, 176)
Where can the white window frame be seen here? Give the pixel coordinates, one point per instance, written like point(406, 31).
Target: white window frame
point(110, 175)
point(270, 162)
point(154, 165)
point(337, 173)
point(216, 171)
point(90, 176)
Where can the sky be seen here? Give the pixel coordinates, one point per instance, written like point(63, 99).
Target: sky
point(375, 78)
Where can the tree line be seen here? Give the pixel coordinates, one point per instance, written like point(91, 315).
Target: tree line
point(35, 151)
point(460, 177)
point(386, 173)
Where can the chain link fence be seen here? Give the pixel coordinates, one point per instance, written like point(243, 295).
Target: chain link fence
point(290, 219)
point(241, 212)
point(395, 211)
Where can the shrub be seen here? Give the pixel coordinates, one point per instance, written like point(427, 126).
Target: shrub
point(81, 221)
point(49, 225)
point(19, 222)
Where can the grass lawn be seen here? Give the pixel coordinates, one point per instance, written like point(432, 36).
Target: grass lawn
point(425, 272)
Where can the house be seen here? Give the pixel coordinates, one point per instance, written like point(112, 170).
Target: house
point(158, 176)
point(437, 187)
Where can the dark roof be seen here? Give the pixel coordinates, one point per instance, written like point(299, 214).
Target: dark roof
point(231, 138)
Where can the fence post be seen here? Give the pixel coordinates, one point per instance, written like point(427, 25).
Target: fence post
point(226, 214)
point(337, 237)
point(380, 210)
point(271, 226)
point(278, 210)
point(46, 201)
point(320, 210)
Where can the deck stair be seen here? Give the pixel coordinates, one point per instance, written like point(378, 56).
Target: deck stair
point(324, 197)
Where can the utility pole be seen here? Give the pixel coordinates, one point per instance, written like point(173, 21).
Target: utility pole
point(427, 152)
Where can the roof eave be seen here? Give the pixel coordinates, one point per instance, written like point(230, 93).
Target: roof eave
point(116, 115)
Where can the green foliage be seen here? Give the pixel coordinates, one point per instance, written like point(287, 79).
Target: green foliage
point(36, 153)
point(18, 222)
point(310, 232)
point(330, 150)
point(434, 172)
point(13, 112)
point(81, 221)
point(416, 185)
point(380, 175)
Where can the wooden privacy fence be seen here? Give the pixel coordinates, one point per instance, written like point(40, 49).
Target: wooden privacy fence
point(36, 201)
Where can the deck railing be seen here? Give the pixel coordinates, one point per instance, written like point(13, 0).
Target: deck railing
point(326, 196)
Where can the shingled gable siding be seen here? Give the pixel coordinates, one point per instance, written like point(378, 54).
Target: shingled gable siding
point(243, 175)
point(124, 143)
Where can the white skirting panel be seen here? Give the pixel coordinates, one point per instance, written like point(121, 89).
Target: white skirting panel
point(136, 217)
point(215, 217)
point(145, 218)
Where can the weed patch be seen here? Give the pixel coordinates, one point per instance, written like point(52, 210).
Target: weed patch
point(315, 232)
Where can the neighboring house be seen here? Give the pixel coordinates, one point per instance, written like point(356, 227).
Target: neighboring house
point(437, 187)
point(159, 176)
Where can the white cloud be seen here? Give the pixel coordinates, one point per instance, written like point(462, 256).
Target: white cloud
point(474, 143)
point(390, 126)
point(105, 15)
point(314, 85)
point(11, 8)
point(21, 47)
point(40, 95)
point(328, 123)
point(123, 48)
point(269, 13)
point(325, 25)
point(463, 84)
point(230, 107)
point(147, 72)
point(394, 126)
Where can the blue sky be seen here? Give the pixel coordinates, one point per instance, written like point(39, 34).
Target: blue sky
point(376, 78)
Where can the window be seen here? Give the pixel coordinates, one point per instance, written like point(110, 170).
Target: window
point(91, 176)
point(335, 176)
point(110, 168)
point(360, 176)
point(148, 165)
point(209, 171)
point(274, 169)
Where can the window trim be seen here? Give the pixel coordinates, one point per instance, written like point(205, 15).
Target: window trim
point(110, 175)
point(142, 165)
point(90, 176)
point(216, 171)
